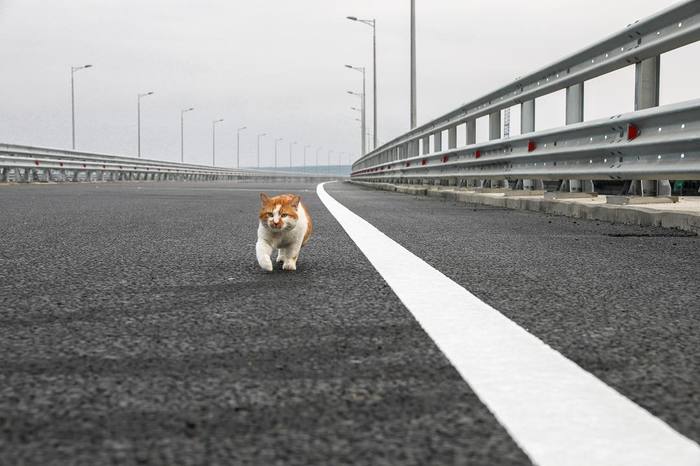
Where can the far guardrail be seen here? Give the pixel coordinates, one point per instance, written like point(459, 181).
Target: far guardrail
point(27, 163)
point(640, 44)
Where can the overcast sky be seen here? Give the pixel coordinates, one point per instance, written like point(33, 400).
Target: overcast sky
point(277, 67)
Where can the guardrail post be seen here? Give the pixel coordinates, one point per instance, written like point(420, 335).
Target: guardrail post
point(495, 125)
point(414, 147)
point(471, 132)
point(646, 95)
point(452, 137)
point(3, 174)
point(527, 125)
point(437, 141)
point(426, 145)
point(527, 117)
point(574, 114)
point(495, 133)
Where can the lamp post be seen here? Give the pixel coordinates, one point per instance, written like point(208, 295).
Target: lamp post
point(362, 120)
point(260, 136)
point(305, 147)
point(73, 69)
point(363, 106)
point(328, 161)
point(138, 118)
point(413, 65)
point(373, 24)
point(213, 141)
point(238, 146)
point(359, 110)
point(290, 152)
point(317, 151)
point(276, 141)
point(182, 132)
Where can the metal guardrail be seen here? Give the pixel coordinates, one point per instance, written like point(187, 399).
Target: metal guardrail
point(27, 163)
point(648, 144)
point(643, 40)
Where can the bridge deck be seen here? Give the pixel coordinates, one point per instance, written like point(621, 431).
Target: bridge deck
point(137, 327)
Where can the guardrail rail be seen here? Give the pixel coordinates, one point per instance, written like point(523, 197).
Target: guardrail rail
point(26, 164)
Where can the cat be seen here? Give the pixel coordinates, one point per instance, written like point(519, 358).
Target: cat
point(285, 225)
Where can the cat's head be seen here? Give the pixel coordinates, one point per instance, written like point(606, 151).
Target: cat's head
point(279, 213)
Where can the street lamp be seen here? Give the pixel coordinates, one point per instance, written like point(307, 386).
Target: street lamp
point(328, 161)
point(305, 147)
point(373, 24)
point(413, 65)
point(213, 141)
point(363, 106)
point(276, 141)
point(359, 110)
point(238, 145)
point(138, 118)
point(361, 95)
point(182, 132)
point(260, 136)
point(317, 151)
point(290, 152)
point(73, 69)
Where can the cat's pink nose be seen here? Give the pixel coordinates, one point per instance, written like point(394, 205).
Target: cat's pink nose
point(276, 224)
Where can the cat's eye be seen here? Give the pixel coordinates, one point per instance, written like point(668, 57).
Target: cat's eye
point(285, 215)
point(269, 214)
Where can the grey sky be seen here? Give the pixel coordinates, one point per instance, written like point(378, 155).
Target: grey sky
point(277, 67)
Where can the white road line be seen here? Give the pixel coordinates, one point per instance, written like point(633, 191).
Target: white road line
point(558, 413)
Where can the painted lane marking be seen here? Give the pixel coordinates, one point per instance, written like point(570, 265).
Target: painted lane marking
point(558, 413)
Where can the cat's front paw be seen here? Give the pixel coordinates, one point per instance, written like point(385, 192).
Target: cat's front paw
point(289, 265)
point(265, 264)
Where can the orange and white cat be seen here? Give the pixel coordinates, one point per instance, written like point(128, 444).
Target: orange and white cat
point(285, 225)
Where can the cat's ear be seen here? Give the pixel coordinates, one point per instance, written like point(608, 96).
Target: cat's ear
point(264, 198)
point(295, 201)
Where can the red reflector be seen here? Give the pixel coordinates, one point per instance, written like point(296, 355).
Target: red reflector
point(36, 162)
point(445, 159)
point(60, 164)
point(423, 162)
point(408, 164)
point(84, 166)
point(632, 132)
point(531, 145)
point(389, 167)
point(477, 154)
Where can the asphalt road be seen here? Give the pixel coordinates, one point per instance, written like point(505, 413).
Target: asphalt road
point(137, 328)
point(621, 301)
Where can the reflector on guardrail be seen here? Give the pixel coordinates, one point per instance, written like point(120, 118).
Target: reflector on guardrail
point(632, 132)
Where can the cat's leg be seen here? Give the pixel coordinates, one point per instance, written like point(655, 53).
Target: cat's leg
point(291, 256)
point(280, 255)
point(263, 249)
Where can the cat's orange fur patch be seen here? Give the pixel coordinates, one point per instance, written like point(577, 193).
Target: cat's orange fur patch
point(287, 204)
